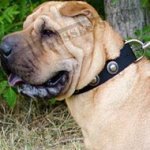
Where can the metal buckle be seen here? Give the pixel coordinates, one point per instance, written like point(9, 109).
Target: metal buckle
point(143, 46)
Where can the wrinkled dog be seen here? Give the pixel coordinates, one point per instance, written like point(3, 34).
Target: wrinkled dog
point(62, 48)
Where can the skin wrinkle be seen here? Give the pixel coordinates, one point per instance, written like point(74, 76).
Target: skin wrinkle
point(51, 23)
point(34, 51)
point(95, 52)
point(83, 56)
point(68, 52)
point(83, 62)
point(48, 44)
point(44, 25)
point(32, 63)
point(75, 51)
point(40, 47)
point(24, 67)
point(56, 15)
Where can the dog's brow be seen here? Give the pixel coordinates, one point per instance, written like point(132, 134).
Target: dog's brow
point(50, 22)
point(55, 12)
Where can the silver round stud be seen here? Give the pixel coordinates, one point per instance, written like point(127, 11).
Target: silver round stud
point(112, 67)
point(95, 81)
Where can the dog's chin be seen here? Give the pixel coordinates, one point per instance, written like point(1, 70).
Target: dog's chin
point(55, 86)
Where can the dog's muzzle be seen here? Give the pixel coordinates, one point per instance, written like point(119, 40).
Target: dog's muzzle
point(51, 88)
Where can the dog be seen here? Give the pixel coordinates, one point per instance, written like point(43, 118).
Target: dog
point(60, 52)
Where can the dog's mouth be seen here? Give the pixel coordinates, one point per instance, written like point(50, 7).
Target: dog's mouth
point(51, 88)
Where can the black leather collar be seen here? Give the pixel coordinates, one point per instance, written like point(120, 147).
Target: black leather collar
point(111, 69)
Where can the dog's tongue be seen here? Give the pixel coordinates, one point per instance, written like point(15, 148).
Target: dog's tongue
point(13, 79)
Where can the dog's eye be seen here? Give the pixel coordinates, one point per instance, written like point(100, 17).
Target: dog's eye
point(47, 32)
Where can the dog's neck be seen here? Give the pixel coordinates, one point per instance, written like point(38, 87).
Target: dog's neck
point(111, 69)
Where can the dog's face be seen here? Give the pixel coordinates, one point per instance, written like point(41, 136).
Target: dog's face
point(49, 56)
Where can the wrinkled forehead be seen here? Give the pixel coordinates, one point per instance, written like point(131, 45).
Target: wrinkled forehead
point(49, 14)
point(48, 9)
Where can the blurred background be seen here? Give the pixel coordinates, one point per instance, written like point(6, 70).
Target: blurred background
point(27, 124)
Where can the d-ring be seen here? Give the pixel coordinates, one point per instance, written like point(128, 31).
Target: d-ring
point(142, 47)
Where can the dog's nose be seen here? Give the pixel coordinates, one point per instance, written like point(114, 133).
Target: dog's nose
point(9, 44)
point(5, 49)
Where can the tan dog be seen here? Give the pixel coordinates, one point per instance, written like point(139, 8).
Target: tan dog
point(62, 47)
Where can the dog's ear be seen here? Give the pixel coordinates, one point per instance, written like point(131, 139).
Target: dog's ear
point(75, 8)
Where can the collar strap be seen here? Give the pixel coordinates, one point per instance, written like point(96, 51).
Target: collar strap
point(111, 69)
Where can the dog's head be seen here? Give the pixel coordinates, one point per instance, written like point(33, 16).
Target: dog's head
point(62, 46)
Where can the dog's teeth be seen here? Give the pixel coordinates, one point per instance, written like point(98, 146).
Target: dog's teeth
point(41, 92)
point(49, 83)
point(33, 91)
point(27, 90)
point(53, 91)
point(63, 79)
